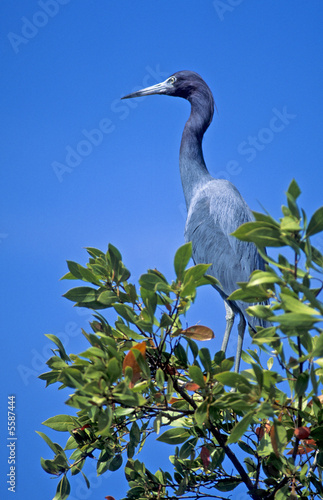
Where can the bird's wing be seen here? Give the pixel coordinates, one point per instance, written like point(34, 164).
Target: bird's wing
point(216, 211)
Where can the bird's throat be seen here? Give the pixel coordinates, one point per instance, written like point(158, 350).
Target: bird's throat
point(194, 173)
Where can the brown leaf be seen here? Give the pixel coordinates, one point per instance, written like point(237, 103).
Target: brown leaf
point(302, 432)
point(307, 446)
point(174, 400)
point(109, 497)
point(170, 370)
point(264, 428)
point(260, 432)
point(159, 398)
point(198, 332)
point(205, 457)
point(130, 360)
point(192, 386)
point(272, 434)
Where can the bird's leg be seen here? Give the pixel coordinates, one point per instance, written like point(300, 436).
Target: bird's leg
point(241, 330)
point(228, 327)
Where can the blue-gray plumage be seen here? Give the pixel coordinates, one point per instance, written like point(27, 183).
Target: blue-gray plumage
point(215, 207)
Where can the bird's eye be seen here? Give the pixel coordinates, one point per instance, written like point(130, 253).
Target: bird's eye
point(171, 79)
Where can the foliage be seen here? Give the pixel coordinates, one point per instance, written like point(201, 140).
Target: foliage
point(145, 376)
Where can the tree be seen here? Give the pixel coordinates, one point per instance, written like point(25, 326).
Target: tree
point(144, 374)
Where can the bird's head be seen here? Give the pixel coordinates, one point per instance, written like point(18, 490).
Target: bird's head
point(181, 84)
point(190, 86)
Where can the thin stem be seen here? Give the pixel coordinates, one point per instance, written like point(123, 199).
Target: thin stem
point(300, 399)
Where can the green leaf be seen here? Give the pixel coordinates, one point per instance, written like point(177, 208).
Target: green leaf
point(188, 448)
point(104, 421)
point(129, 398)
point(193, 346)
point(60, 346)
point(294, 190)
point(49, 466)
point(108, 297)
point(317, 435)
point(205, 357)
point(294, 320)
point(195, 273)
point(260, 217)
point(114, 370)
point(115, 463)
point(248, 293)
point(259, 311)
point(240, 428)
point(94, 252)
point(61, 423)
point(246, 447)
point(114, 253)
point(182, 258)
point(226, 484)
point(292, 194)
point(87, 482)
point(265, 336)
point(180, 353)
point(53, 446)
point(265, 447)
point(134, 434)
point(316, 223)
point(81, 294)
point(318, 350)
point(82, 273)
point(174, 436)
point(290, 224)
point(263, 277)
point(63, 489)
point(126, 312)
point(262, 234)
point(151, 280)
point(201, 413)
point(196, 375)
point(236, 380)
point(296, 306)
point(301, 384)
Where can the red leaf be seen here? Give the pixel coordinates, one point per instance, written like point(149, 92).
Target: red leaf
point(109, 497)
point(302, 432)
point(205, 457)
point(130, 360)
point(310, 442)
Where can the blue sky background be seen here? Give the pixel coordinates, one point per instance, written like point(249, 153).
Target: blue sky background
point(62, 75)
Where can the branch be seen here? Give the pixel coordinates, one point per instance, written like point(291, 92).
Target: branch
point(229, 453)
point(220, 439)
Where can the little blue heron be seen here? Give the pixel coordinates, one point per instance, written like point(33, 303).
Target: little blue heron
point(215, 208)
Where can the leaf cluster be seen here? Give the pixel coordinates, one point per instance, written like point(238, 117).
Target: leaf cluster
point(144, 376)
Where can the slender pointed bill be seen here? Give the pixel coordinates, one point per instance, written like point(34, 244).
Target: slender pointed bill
point(159, 88)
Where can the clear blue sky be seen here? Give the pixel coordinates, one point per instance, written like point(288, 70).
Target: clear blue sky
point(62, 74)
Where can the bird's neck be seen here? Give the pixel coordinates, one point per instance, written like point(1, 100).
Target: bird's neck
point(194, 173)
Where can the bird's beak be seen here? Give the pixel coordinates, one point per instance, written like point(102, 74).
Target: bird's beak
point(159, 88)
